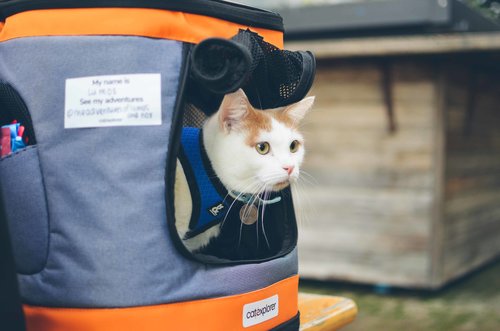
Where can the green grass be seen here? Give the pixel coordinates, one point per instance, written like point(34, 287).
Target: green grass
point(470, 304)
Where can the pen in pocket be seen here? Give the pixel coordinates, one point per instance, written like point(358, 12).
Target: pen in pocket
point(12, 138)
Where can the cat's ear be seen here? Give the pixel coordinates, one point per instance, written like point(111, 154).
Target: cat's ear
point(233, 110)
point(298, 110)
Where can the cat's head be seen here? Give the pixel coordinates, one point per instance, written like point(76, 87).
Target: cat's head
point(252, 150)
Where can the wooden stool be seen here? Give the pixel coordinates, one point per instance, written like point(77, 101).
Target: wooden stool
point(324, 312)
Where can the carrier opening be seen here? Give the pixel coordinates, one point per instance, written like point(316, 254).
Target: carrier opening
point(232, 192)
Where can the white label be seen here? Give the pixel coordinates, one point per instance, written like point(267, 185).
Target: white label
point(117, 100)
point(260, 311)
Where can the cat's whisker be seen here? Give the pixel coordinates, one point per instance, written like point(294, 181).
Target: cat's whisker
point(303, 172)
point(251, 185)
point(266, 195)
point(232, 204)
point(258, 209)
point(302, 201)
point(266, 192)
point(247, 210)
point(297, 202)
point(256, 189)
point(307, 181)
point(241, 227)
point(246, 189)
point(246, 213)
point(239, 238)
point(252, 200)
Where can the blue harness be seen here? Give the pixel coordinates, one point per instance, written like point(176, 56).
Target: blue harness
point(207, 192)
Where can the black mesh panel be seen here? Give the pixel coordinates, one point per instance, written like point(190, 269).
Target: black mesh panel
point(270, 77)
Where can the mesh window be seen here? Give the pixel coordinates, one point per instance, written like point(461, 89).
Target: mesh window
point(193, 116)
point(270, 77)
point(278, 77)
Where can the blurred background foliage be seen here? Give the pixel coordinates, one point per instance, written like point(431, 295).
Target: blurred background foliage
point(489, 8)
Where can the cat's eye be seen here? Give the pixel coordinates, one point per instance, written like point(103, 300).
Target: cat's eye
point(294, 146)
point(263, 148)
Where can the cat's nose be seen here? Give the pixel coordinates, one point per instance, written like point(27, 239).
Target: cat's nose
point(289, 169)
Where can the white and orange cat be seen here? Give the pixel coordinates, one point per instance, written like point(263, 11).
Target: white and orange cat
point(252, 151)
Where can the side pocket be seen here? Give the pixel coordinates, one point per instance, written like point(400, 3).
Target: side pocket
point(23, 196)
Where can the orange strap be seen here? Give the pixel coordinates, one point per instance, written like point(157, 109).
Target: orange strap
point(224, 313)
point(154, 23)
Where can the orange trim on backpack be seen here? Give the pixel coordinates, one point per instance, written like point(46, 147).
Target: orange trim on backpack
point(154, 23)
point(225, 313)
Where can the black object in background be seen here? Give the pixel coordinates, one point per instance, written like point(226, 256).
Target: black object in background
point(271, 77)
point(11, 313)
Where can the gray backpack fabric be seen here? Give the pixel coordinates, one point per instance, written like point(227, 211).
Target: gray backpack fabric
point(90, 209)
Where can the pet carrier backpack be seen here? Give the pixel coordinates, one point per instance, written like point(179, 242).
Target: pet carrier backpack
point(93, 99)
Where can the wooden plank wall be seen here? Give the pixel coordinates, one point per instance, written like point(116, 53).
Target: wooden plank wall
point(472, 191)
point(366, 215)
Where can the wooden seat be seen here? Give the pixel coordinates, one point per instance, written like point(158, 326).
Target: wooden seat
point(324, 312)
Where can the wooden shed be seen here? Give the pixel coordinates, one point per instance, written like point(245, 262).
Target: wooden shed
point(404, 148)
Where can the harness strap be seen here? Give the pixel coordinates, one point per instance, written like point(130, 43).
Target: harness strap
point(207, 192)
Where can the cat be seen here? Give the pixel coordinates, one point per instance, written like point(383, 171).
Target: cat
point(250, 150)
